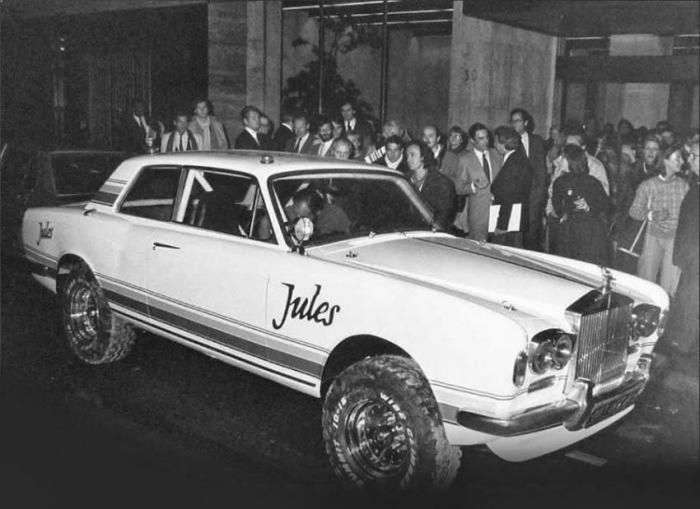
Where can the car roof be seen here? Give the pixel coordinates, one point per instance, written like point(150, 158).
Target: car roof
point(251, 161)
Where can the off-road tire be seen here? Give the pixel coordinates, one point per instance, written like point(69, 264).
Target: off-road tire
point(397, 387)
point(94, 334)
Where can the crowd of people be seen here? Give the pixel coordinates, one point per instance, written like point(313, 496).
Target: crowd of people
point(615, 196)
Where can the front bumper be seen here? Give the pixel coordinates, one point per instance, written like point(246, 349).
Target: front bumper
point(580, 409)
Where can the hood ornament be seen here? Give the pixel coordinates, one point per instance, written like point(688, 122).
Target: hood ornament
point(607, 280)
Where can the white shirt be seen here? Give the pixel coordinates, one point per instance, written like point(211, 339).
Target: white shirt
point(525, 138)
point(480, 156)
point(324, 147)
point(301, 143)
point(393, 165)
point(505, 157)
point(141, 121)
point(180, 139)
point(254, 134)
point(350, 125)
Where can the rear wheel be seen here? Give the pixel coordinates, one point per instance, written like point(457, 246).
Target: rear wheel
point(94, 334)
point(382, 428)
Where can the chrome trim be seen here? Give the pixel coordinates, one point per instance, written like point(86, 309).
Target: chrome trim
point(574, 411)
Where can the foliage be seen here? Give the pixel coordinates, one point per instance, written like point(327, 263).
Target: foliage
point(302, 90)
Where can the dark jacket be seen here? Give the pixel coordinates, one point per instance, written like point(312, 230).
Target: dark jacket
point(132, 137)
point(439, 192)
point(309, 147)
point(245, 141)
point(685, 245)
point(583, 234)
point(281, 138)
point(512, 185)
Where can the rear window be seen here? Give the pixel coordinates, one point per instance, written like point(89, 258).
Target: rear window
point(82, 174)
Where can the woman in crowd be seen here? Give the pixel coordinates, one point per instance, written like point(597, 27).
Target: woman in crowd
point(658, 201)
point(208, 127)
point(581, 203)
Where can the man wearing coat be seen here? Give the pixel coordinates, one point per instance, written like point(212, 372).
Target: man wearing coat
point(303, 142)
point(250, 139)
point(180, 139)
point(477, 168)
point(511, 186)
point(533, 145)
point(135, 129)
point(285, 132)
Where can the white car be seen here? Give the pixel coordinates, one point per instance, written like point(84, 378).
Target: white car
point(331, 278)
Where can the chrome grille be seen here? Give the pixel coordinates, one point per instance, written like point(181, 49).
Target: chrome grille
point(601, 352)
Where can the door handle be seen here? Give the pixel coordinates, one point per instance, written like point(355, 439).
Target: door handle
point(166, 246)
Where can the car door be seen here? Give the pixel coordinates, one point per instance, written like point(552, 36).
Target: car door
point(126, 239)
point(208, 269)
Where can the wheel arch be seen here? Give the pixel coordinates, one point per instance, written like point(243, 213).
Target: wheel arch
point(65, 264)
point(353, 349)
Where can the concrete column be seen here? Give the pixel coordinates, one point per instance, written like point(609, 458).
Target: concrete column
point(680, 102)
point(244, 59)
point(495, 68)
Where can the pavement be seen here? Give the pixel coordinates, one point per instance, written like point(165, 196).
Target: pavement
point(169, 427)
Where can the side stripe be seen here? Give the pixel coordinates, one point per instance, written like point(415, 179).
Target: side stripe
point(281, 358)
point(105, 198)
point(218, 350)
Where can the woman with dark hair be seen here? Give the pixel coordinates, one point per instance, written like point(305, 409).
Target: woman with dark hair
point(208, 127)
point(581, 203)
point(436, 189)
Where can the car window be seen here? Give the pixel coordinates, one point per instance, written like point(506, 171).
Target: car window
point(82, 174)
point(153, 194)
point(226, 203)
point(351, 205)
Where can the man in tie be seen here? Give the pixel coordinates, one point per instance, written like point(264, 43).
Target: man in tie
point(303, 142)
point(250, 139)
point(352, 123)
point(476, 170)
point(135, 129)
point(325, 133)
point(181, 139)
point(533, 145)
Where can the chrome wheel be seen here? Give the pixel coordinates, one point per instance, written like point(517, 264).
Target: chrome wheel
point(378, 439)
point(84, 314)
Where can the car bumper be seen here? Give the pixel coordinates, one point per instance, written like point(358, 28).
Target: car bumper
point(579, 410)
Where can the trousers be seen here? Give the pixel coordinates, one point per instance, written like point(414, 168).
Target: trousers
point(656, 263)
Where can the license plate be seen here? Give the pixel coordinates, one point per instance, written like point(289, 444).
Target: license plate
point(610, 406)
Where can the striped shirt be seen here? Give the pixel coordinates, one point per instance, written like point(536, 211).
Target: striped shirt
point(657, 194)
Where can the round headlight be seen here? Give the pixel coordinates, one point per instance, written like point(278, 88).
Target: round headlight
point(562, 351)
point(645, 320)
point(543, 357)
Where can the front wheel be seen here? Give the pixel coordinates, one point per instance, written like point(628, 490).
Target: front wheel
point(94, 334)
point(382, 428)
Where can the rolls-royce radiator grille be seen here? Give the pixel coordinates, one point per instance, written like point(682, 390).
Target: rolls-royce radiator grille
point(603, 336)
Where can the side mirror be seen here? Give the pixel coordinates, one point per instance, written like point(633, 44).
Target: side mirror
point(302, 230)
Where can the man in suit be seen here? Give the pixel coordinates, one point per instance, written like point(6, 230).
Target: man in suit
point(432, 138)
point(303, 142)
point(436, 189)
point(352, 123)
point(477, 170)
point(250, 139)
point(136, 129)
point(180, 139)
point(393, 157)
point(511, 186)
point(533, 145)
point(284, 133)
point(325, 134)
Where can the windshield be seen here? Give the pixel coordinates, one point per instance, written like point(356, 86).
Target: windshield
point(83, 174)
point(347, 205)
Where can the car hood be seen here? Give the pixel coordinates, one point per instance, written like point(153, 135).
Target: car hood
point(478, 271)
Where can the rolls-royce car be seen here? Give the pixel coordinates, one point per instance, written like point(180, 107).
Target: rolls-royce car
point(334, 279)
